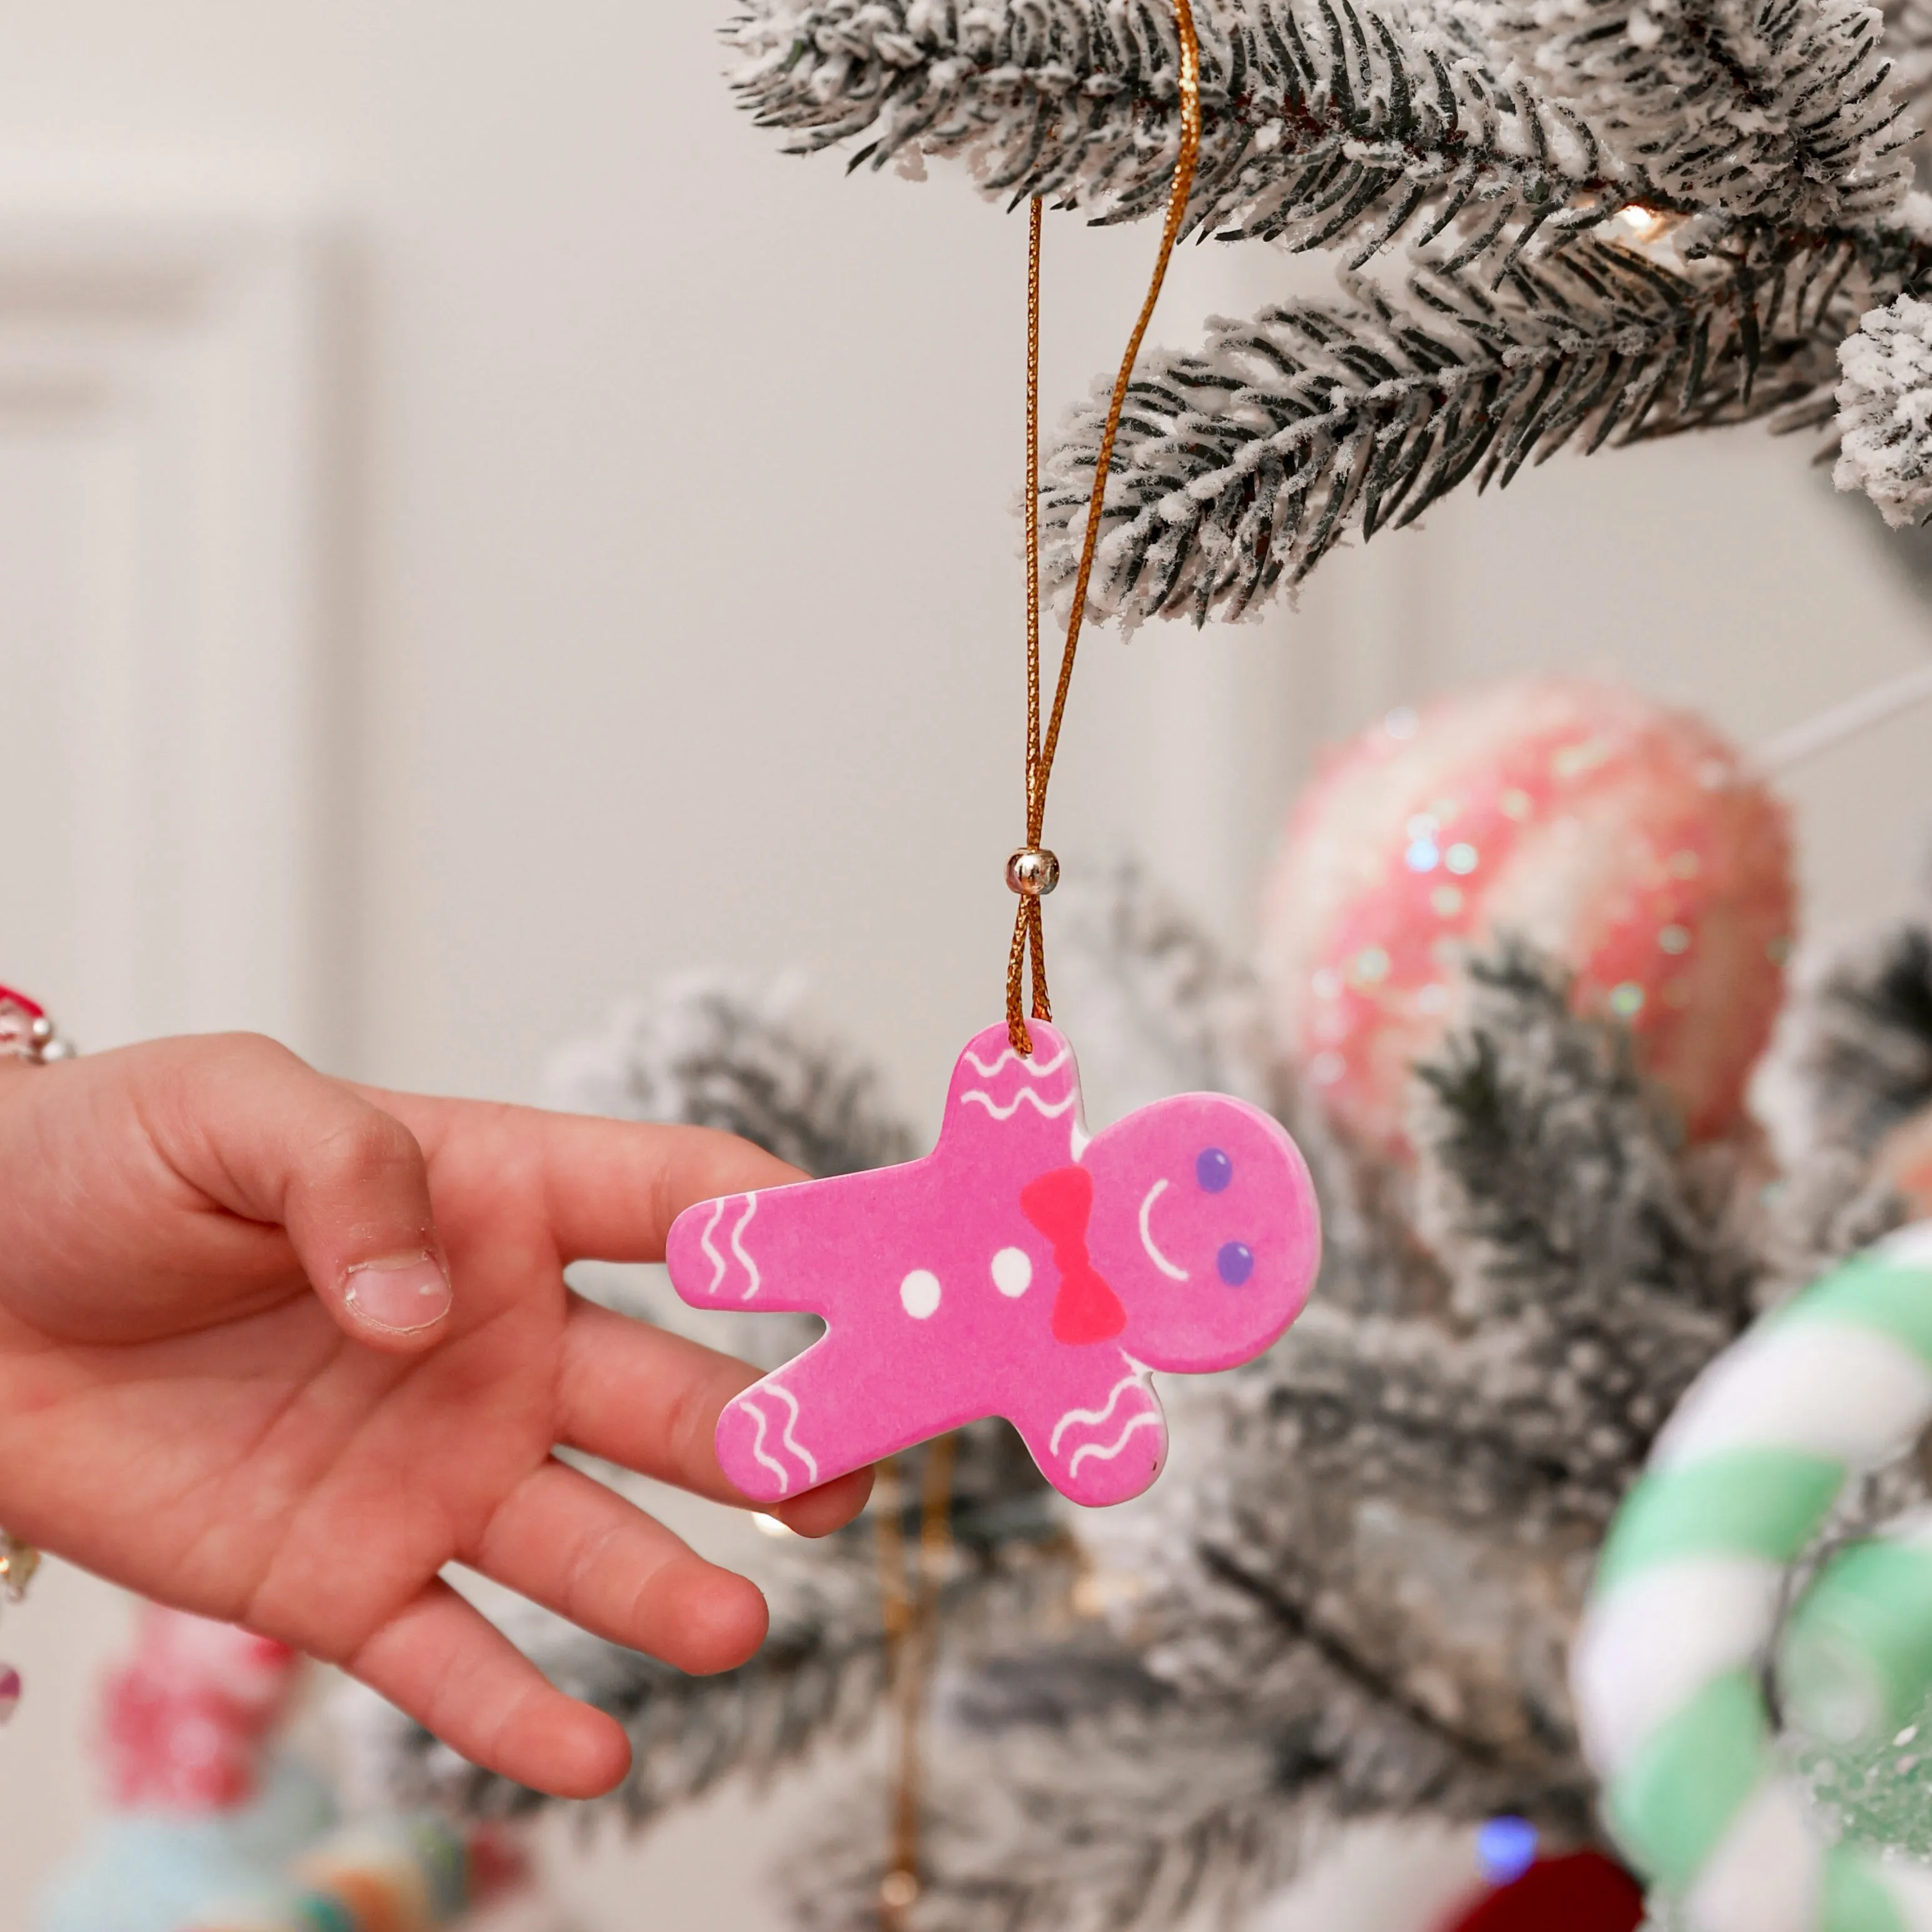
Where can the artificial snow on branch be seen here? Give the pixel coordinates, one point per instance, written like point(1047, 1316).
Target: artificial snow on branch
point(716, 1054)
point(1855, 1060)
point(1767, 111)
point(1557, 1178)
point(1324, 124)
point(1884, 411)
point(1239, 467)
point(1069, 1791)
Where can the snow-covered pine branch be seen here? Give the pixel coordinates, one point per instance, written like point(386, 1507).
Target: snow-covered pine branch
point(1884, 411)
point(1557, 1183)
point(1239, 467)
point(714, 1053)
point(1163, 1010)
point(1856, 1054)
point(818, 1678)
point(1770, 133)
point(1764, 111)
point(1328, 123)
point(1325, 122)
point(1116, 1809)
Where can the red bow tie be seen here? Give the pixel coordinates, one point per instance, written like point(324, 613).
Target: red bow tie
point(1059, 1204)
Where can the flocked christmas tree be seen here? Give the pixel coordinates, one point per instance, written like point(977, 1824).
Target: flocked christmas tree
point(1352, 1593)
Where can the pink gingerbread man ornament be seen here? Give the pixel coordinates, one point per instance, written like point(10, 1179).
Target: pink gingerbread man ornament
point(1021, 1269)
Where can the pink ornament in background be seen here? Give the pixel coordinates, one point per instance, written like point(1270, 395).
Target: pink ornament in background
point(188, 1720)
point(1629, 842)
point(1022, 1269)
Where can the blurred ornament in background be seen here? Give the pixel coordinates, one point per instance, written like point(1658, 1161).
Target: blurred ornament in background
point(218, 1826)
point(204, 1805)
point(1630, 842)
point(405, 1875)
point(1505, 1848)
point(188, 1721)
point(1581, 1892)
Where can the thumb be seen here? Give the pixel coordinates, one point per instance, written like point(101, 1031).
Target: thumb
point(347, 1181)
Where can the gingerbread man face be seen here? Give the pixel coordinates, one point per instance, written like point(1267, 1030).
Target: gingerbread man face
point(1204, 1222)
point(1021, 1270)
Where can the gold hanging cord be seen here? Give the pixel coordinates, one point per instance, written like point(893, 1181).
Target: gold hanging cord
point(1029, 934)
point(911, 1593)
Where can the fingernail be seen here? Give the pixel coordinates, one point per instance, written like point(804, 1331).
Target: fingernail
point(402, 1297)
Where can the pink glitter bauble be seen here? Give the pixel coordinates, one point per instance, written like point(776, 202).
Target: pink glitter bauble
point(1629, 842)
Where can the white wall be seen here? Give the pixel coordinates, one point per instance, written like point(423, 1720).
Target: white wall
point(666, 604)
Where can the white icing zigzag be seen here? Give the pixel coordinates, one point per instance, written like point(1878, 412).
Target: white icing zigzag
point(1147, 1419)
point(719, 1266)
point(738, 1245)
point(717, 1260)
point(807, 1461)
point(1037, 1069)
point(1095, 1416)
point(1036, 1073)
point(791, 1441)
point(1013, 1106)
point(771, 1462)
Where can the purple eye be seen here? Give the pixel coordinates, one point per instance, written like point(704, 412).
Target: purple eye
point(1214, 1171)
point(1236, 1262)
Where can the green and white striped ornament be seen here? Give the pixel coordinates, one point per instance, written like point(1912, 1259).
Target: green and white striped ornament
point(1669, 1668)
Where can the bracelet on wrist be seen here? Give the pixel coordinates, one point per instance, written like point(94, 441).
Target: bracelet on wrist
point(26, 1033)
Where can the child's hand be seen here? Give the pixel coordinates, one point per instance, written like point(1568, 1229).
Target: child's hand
point(276, 1350)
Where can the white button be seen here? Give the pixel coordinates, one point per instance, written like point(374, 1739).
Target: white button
point(919, 1292)
point(1013, 1271)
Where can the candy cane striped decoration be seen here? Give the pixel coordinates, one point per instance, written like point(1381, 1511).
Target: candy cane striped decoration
point(1668, 1670)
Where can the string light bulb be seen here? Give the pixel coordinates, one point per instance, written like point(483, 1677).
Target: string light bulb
point(1645, 224)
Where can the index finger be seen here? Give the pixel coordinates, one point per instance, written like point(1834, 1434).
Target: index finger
point(610, 1189)
point(614, 1187)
